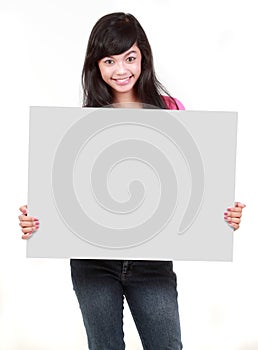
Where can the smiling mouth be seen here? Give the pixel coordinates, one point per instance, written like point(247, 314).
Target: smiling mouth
point(123, 80)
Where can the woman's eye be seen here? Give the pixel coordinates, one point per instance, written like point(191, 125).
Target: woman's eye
point(131, 59)
point(108, 61)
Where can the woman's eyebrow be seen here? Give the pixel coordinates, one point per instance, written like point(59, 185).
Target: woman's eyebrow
point(127, 54)
point(130, 52)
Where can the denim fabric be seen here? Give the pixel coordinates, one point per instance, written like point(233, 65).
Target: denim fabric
point(150, 288)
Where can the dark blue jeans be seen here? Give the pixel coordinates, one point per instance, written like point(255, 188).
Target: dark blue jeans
point(150, 288)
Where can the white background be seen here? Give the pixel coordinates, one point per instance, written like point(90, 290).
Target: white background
point(205, 52)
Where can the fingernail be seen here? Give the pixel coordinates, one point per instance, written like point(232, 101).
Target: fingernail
point(229, 209)
point(225, 213)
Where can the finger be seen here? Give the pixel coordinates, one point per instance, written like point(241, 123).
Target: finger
point(29, 229)
point(234, 209)
point(233, 214)
point(230, 219)
point(235, 226)
point(29, 224)
point(24, 217)
point(26, 236)
point(26, 224)
point(27, 218)
point(234, 220)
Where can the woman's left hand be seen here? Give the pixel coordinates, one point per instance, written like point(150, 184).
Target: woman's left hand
point(233, 215)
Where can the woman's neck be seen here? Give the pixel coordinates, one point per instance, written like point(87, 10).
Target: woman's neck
point(126, 100)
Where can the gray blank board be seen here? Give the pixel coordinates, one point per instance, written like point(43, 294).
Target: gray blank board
point(131, 184)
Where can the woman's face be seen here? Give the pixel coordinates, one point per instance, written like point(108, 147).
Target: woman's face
point(122, 71)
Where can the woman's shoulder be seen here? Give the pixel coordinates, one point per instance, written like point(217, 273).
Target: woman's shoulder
point(173, 103)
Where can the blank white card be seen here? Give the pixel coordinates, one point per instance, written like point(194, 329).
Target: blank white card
point(126, 183)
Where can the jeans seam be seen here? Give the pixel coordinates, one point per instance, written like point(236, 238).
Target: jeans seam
point(136, 321)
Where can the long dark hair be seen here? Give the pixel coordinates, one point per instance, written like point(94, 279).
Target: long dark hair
point(114, 34)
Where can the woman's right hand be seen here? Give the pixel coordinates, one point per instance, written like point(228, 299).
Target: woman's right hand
point(28, 224)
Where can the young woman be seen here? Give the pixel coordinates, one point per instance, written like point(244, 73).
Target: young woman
point(118, 68)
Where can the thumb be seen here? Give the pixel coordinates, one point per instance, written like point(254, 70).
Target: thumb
point(240, 205)
point(24, 210)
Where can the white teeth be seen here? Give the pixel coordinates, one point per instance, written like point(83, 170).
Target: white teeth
point(124, 79)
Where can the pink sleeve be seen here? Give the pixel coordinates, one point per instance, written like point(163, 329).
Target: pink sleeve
point(171, 104)
point(180, 104)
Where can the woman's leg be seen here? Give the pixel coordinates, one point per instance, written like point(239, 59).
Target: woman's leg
point(100, 296)
point(150, 288)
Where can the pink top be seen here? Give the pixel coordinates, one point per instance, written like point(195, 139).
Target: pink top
point(171, 104)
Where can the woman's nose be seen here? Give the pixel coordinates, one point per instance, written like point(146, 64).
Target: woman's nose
point(120, 69)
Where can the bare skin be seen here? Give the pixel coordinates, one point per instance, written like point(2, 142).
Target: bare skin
point(30, 224)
